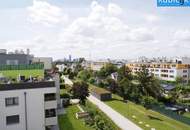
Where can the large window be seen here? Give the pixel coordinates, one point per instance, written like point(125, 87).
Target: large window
point(50, 96)
point(14, 119)
point(50, 113)
point(11, 101)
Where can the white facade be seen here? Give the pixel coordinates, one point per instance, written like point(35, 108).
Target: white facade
point(31, 109)
point(46, 60)
point(166, 73)
point(61, 67)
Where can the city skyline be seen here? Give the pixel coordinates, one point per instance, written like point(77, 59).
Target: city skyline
point(109, 29)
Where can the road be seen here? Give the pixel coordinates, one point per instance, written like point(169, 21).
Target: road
point(117, 118)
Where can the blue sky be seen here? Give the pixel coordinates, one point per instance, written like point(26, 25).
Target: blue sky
point(108, 29)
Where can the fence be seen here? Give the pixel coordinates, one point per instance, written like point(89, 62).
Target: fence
point(21, 67)
point(171, 114)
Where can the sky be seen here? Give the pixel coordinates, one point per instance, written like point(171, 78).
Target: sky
point(116, 29)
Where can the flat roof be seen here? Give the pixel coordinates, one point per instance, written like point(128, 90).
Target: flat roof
point(100, 90)
point(27, 85)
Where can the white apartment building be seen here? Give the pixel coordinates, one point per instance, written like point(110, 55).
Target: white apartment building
point(94, 65)
point(28, 106)
point(164, 71)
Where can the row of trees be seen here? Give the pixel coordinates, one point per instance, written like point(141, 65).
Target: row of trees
point(139, 87)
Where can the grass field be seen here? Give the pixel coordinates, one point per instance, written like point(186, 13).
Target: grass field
point(137, 113)
point(69, 122)
point(26, 73)
point(187, 114)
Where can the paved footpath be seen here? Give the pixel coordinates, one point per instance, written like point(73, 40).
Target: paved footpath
point(116, 117)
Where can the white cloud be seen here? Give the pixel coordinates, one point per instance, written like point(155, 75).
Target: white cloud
point(114, 9)
point(44, 13)
point(182, 35)
point(100, 25)
point(151, 18)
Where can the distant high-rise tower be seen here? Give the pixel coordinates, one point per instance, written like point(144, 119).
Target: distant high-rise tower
point(70, 58)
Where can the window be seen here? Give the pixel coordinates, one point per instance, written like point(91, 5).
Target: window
point(12, 101)
point(184, 71)
point(50, 96)
point(184, 76)
point(156, 70)
point(165, 71)
point(164, 75)
point(50, 113)
point(171, 71)
point(171, 76)
point(12, 119)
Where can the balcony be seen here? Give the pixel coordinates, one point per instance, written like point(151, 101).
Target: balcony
point(51, 121)
point(50, 117)
point(50, 104)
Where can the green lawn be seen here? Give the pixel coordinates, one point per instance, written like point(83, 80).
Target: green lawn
point(187, 114)
point(26, 73)
point(158, 121)
point(69, 122)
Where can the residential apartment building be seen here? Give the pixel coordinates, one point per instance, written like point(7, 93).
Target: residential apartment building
point(164, 71)
point(94, 65)
point(15, 58)
point(28, 106)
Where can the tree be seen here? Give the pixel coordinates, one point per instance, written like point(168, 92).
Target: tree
point(148, 102)
point(107, 70)
point(80, 91)
point(129, 90)
point(148, 85)
point(179, 80)
point(112, 85)
point(84, 75)
point(124, 72)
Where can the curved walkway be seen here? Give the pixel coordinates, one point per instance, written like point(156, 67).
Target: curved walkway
point(116, 117)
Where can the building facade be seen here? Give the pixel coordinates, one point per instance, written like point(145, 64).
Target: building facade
point(28, 106)
point(164, 71)
point(15, 58)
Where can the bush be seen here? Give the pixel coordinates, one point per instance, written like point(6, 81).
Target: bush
point(91, 80)
point(147, 102)
point(66, 102)
point(65, 95)
point(62, 86)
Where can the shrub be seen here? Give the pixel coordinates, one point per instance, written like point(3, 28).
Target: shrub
point(62, 86)
point(65, 95)
point(91, 80)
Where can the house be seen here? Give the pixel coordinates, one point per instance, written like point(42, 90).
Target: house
point(28, 106)
point(101, 94)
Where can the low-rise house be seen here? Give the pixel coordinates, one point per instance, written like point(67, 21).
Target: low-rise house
point(101, 94)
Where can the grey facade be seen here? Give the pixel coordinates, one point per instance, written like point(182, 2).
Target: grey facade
point(15, 59)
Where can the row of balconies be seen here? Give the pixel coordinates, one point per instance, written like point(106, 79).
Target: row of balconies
point(50, 106)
